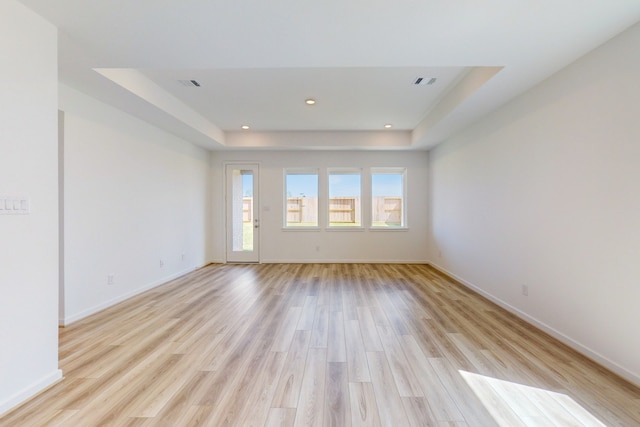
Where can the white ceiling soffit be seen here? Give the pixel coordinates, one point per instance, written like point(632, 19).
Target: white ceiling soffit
point(257, 61)
point(136, 83)
point(355, 101)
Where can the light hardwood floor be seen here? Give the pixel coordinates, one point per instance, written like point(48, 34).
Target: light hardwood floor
point(320, 344)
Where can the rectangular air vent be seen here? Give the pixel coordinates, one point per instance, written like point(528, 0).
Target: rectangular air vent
point(189, 83)
point(422, 81)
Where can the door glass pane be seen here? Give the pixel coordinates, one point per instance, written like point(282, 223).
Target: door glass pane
point(242, 210)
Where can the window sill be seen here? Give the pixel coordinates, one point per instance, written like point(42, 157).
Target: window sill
point(344, 228)
point(300, 228)
point(388, 229)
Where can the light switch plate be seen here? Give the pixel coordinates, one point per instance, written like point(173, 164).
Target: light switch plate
point(14, 205)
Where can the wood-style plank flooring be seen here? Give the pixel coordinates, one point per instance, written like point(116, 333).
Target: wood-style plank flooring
point(320, 345)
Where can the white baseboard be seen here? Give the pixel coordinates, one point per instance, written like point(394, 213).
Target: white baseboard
point(30, 391)
point(576, 345)
point(106, 304)
point(341, 261)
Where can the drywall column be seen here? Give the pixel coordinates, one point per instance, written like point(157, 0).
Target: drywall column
point(28, 171)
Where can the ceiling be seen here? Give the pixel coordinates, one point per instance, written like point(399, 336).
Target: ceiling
point(257, 61)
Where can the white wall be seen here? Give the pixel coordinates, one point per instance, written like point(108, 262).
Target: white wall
point(278, 245)
point(134, 195)
point(545, 193)
point(28, 167)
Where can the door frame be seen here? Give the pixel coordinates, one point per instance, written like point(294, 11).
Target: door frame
point(237, 256)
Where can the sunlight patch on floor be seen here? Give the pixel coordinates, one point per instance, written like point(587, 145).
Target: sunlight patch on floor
point(512, 404)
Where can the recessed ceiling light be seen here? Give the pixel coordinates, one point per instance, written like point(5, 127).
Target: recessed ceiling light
point(310, 101)
point(245, 127)
point(388, 126)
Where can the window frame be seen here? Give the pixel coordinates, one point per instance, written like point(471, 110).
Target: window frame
point(403, 216)
point(359, 209)
point(285, 205)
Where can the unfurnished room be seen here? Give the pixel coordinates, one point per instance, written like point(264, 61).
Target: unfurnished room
point(337, 213)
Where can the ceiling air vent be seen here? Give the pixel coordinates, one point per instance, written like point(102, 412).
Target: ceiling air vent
point(189, 83)
point(422, 81)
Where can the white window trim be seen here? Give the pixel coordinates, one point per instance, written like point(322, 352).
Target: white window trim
point(394, 171)
point(345, 171)
point(299, 171)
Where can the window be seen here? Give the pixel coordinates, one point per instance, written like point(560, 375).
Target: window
point(301, 201)
point(344, 198)
point(388, 198)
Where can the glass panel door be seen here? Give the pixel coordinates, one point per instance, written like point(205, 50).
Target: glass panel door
point(243, 223)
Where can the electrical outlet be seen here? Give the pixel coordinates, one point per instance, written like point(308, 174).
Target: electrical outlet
point(111, 279)
point(525, 290)
point(161, 263)
point(317, 248)
point(182, 257)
